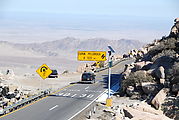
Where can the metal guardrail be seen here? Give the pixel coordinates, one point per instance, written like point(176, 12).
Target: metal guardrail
point(114, 64)
point(23, 102)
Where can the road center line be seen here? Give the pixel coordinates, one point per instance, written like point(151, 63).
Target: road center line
point(53, 107)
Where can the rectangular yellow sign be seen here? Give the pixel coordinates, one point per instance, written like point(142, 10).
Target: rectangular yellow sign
point(92, 55)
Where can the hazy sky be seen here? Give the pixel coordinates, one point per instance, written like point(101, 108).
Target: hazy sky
point(153, 8)
point(44, 20)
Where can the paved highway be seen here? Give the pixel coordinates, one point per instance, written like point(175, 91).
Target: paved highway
point(69, 101)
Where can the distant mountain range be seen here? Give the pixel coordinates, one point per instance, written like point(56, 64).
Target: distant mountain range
point(71, 45)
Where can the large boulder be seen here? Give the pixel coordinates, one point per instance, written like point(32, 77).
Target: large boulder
point(125, 56)
point(10, 74)
point(119, 114)
point(18, 96)
point(139, 65)
point(85, 68)
point(12, 88)
point(144, 50)
point(127, 70)
point(130, 90)
point(10, 95)
point(175, 87)
point(160, 72)
point(175, 79)
point(149, 88)
point(13, 100)
point(5, 90)
point(140, 114)
point(116, 57)
point(175, 29)
point(133, 53)
point(158, 100)
point(147, 65)
point(144, 107)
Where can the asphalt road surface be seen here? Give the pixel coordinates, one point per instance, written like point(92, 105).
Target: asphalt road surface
point(68, 102)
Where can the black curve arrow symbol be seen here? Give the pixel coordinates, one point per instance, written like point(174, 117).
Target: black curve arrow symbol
point(103, 56)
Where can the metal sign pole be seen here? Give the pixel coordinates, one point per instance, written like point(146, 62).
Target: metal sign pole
point(40, 86)
point(109, 99)
point(109, 78)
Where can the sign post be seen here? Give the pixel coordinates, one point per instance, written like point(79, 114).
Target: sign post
point(109, 100)
point(44, 71)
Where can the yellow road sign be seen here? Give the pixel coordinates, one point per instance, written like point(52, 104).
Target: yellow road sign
point(97, 64)
point(44, 71)
point(92, 55)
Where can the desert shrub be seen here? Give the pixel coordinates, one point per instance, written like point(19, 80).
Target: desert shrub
point(168, 44)
point(164, 61)
point(171, 108)
point(170, 53)
point(136, 78)
point(156, 49)
point(173, 72)
point(175, 68)
point(177, 46)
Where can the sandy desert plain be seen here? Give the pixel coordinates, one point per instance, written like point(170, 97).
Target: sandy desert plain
point(23, 66)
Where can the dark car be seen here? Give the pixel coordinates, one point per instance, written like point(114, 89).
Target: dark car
point(88, 77)
point(54, 74)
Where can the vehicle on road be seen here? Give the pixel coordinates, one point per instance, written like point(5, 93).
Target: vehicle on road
point(88, 77)
point(54, 74)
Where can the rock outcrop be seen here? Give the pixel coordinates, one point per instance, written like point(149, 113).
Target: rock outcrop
point(158, 100)
point(155, 73)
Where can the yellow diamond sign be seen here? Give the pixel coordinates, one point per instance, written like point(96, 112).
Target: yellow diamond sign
point(44, 71)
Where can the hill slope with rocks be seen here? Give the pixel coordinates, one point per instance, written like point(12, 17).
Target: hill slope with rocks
point(153, 77)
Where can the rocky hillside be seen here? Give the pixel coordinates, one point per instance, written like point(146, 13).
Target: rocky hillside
point(154, 76)
point(72, 45)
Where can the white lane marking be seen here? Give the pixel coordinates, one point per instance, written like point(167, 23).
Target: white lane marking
point(87, 105)
point(86, 87)
point(99, 91)
point(73, 90)
point(60, 94)
point(83, 95)
point(93, 91)
point(66, 94)
point(73, 95)
point(53, 107)
point(90, 96)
